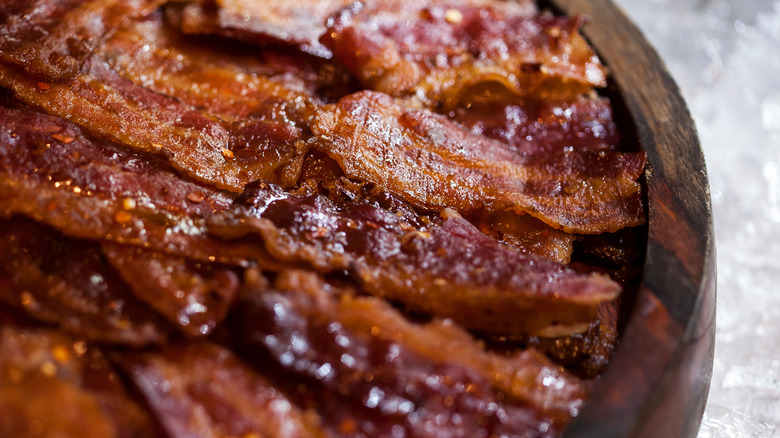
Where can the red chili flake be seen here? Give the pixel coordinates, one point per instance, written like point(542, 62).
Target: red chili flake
point(63, 138)
point(196, 196)
point(43, 86)
point(123, 217)
point(227, 153)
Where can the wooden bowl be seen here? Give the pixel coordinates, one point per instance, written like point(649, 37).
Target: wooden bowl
point(658, 380)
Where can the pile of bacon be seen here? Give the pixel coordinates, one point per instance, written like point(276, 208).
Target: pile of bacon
point(245, 218)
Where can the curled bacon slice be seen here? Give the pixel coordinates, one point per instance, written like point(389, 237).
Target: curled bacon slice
point(219, 79)
point(523, 232)
point(105, 194)
point(194, 296)
point(50, 172)
point(50, 39)
point(108, 106)
point(66, 282)
point(449, 270)
point(361, 352)
point(296, 22)
point(203, 390)
point(545, 126)
point(439, 52)
point(52, 383)
point(527, 234)
point(434, 163)
point(526, 375)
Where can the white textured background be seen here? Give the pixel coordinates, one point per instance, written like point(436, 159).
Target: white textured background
point(725, 55)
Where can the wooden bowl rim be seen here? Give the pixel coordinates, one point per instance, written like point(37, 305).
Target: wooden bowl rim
point(658, 381)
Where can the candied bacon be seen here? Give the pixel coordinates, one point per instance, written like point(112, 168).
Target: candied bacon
point(55, 385)
point(296, 22)
point(321, 173)
point(152, 187)
point(395, 378)
point(203, 390)
point(99, 191)
point(438, 52)
point(67, 282)
point(361, 265)
point(543, 126)
point(233, 88)
point(193, 296)
point(587, 353)
point(527, 234)
point(111, 107)
point(434, 163)
point(525, 375)
point(449, 270)
point(50, 39)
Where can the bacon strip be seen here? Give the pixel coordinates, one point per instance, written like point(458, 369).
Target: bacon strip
point(193, 296)
point(434, 163)
point(586, 354)
point(202, 390)
point(296, 22)
point(383, 252)
point(50, 39)
point(545, 126)
point(50, 172)
point(450, 270)
point(51, 383)
point(526, 375)
point(527, 234)
point(361, 352)
point(110, 107)
point(439, 52)
point(66, 282)
point(230, 84)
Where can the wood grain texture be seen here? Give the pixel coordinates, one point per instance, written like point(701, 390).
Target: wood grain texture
point(658, 381)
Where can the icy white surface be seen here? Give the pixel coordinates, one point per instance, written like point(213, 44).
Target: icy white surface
point(725, 55)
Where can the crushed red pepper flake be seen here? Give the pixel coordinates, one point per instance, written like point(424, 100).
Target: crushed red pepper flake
point(123, 217)
point(63, 138)
point(196, 196)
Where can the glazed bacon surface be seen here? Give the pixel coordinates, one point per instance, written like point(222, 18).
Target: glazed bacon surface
point(109, 107)
point(194, 296)
point(441, 269)
point(300, 23)
point(50, 39)
point(530, 127)
point(251, 218)
point(67, 283)
point(52, 382)
point(434, 163)
point(438, 269)
point(438, 53)
point(397, 368)
point(203, 390)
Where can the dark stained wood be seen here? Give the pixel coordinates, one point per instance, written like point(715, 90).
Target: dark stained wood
point(657, 383)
